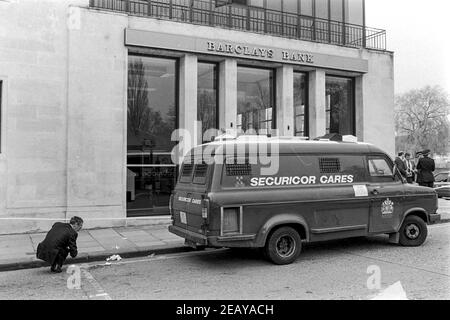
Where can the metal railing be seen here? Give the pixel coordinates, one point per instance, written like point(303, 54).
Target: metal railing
point(252, 19)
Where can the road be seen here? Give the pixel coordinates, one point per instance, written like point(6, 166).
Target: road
point(330, 270)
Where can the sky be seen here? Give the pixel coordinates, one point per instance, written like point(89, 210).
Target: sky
point(418, 32)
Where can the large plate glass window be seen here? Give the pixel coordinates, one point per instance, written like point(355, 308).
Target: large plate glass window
point(207, 99)
point(152, 109)
point(255, 100)
point(300, 105)
point(340, 106)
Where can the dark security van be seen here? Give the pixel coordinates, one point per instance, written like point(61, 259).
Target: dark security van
point(275, 193)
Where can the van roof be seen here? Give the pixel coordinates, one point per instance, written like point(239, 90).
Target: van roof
point(297, 146)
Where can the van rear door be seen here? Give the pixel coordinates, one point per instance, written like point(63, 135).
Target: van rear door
point(188, 196)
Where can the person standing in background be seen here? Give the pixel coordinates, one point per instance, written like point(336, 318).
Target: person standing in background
point(410, 167)
point(416, 161)
point(425, 168)
point(400, 162)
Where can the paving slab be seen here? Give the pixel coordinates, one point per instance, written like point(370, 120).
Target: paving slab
point(143, 244)
point(102, 233)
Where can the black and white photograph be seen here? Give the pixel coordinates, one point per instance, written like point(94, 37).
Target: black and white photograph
point(224, 155)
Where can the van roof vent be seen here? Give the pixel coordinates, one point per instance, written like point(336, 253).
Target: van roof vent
point(238, 169)
point(329, 165)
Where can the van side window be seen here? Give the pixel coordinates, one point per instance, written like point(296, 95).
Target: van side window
point(380, 170)
point(186, 172)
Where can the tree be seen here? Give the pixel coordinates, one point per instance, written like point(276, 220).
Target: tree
point(421, 120)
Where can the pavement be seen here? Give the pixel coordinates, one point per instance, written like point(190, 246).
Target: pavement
point(18, 251)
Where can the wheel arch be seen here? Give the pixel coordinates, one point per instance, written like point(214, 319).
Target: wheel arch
point(294, 221)
point(418, 212)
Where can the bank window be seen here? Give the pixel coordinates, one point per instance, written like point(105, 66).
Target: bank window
point(274, 5)
point(322, 9)
point(255, 100)
point(152, 113)
point(339, 105)
point(207, 99)
point(290, 6)
point(306, 7)
point(300, 105)
point(256, 3)
point(354, 11)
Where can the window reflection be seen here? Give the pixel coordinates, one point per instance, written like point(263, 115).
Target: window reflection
point(306, 7)
point(354, 11)
point(322, 9)
point(151, 120)
point(340, 107)
point(290, 6)
point(207, 97)
point(255, 106)
point(300, 105)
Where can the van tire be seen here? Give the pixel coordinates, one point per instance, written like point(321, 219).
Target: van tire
point(283, 246)
point(413, 232)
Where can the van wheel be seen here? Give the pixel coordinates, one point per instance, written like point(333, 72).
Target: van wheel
point(283, 246)
point(413, 232)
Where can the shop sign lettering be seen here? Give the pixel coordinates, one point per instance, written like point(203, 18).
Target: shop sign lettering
point(297, 180)
point(237, 49)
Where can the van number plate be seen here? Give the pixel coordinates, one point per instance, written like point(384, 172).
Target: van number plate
point(183, 217)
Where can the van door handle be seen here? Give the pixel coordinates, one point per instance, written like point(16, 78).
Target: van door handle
point(375, 190)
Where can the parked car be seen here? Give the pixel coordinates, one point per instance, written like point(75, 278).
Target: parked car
point(442, 184)
point(321, 191)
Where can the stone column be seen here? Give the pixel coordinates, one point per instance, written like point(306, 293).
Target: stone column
point(189, 136)
point(359, 108)
point(317, 115)
point(285, 101)
point(227, 94)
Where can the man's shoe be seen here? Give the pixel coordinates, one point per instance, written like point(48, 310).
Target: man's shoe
point(56, 269)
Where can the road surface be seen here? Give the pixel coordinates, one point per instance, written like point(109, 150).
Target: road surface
point(361, 268)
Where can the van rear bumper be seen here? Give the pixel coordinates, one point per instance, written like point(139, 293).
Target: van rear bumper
point(238, 240)
point(189, 235)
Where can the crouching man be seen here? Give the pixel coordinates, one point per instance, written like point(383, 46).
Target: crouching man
point(59, 242)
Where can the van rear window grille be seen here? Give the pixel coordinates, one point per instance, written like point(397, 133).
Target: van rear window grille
point(200, 170)
point(187, 169)
point(234, 169)
point(329, 165)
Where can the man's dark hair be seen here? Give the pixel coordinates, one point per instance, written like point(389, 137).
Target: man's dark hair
point(400, 153)
point(407, 154)
point(76, 220)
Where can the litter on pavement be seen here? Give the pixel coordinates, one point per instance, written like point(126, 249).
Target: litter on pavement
point(114, 257)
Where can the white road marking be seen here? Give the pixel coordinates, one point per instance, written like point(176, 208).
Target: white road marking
point(100, 292)
point(393, 292)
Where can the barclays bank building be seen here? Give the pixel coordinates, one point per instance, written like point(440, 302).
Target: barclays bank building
point(91, 92)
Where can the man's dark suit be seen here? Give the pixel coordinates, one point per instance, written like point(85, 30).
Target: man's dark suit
point(401, 166)
point(59, 242)
point(425, 176)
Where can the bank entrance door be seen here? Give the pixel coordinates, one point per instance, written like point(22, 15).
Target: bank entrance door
point(151, 173)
